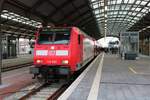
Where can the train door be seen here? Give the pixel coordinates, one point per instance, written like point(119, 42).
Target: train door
point(81, 46)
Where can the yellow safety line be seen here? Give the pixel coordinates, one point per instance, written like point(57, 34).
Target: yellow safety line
point(132, 70)
point(135, 72)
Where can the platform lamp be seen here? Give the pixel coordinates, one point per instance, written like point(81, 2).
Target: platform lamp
point(1, 8)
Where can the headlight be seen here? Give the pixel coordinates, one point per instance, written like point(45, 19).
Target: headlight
point(65, 62)
point(39, 61)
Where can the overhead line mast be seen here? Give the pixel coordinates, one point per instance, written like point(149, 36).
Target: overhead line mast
point(1, 8)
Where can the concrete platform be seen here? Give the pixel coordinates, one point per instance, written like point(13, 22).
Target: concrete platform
point(112, 79)
point(21, 59)
point(125, 79)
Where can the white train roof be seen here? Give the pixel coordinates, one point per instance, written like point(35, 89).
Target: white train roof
point(104, 42)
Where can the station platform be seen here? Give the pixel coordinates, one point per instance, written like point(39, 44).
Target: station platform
point(20, 59)
point(110, 78)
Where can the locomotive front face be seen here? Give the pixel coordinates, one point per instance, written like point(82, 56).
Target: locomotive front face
point(52, 48)
point(47, 56)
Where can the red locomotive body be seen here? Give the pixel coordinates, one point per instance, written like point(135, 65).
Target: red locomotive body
point(61, 50)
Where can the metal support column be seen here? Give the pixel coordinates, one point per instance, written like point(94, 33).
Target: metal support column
point(6, 47)
point(1, 8)
point(18, 45)
point(149, 44)
point(29, 43)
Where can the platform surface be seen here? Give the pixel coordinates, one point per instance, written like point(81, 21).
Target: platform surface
point(125, 79)
point(119, 80)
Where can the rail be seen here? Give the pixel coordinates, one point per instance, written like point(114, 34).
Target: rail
point(48, 91)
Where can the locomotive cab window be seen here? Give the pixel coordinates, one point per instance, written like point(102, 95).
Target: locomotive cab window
point(54, 37)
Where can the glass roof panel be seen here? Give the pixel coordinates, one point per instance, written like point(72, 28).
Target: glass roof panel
point(119, 1)
point(143, 3)
point(93, 0)
point(95, 6)
point(131, 1)
point(138, 9)
point(121, 12)
point(96, 11)
point(148, 5)
point(138, 2)
point(125, 1)
point(144, 10)
point(113, 2)
point(97, 15)
point(134, 13)
point(15, 17)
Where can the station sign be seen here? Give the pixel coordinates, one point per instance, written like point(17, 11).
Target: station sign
point(132, 37)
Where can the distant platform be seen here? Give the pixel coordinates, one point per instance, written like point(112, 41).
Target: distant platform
point(21, 59)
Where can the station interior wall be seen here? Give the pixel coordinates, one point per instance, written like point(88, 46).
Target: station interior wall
point(8, 47)
point(12, 46)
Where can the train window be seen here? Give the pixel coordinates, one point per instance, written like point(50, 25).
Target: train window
point(45, 39)
point(62, 37)
point(79, 39)
point(54, 37)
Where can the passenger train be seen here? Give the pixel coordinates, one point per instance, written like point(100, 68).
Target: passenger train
point(62, 51)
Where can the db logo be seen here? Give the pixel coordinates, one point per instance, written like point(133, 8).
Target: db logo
point(52, 52)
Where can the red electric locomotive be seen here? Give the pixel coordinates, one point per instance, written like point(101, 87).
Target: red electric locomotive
point(61, 51)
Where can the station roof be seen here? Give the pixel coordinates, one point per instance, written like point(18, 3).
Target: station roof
point(19, 15)
point(115, 16)
point(96, 17)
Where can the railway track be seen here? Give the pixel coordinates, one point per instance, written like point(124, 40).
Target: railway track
point(39, 91)
point(48, 91)
point(16, 66)
point(45, 92)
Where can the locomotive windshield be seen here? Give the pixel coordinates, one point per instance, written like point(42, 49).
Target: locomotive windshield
point(54, 37)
